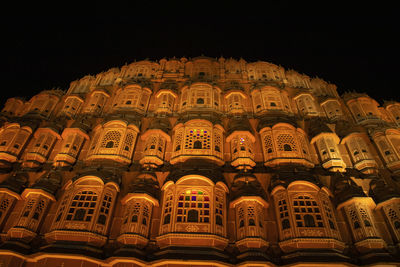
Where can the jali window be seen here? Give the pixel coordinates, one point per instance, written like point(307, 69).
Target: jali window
point(193, 206)
point(197, 139)
point(307, 212)
point(82, 207)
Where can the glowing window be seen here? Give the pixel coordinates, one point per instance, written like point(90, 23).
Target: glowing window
point(193, 206)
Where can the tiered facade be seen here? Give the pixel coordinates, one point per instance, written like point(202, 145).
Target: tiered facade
point(199, 162)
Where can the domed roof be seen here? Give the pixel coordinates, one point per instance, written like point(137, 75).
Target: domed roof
point(82, 124)
point(271, 121)
point(380, 191)
point(49, 182)
point(196, 115)
point(246, 184)
point(146, 182)
point(316, 127)
point(16, 182)
point(169, 85)
point(352, 95)
point(345, 188)
point(128, 117)
point(241, 124)
point(108, 173)
point(344, 128)
point(162, 124)
point(195, 166)
point(286, 176)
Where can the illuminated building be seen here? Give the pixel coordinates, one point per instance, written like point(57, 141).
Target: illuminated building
point(200, 162)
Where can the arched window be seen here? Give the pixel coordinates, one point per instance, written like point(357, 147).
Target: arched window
point(197, 145)
point(286, 142)
point(110, 144)
point(252, 222)
point(134, 218)
point(111, 139)
point(309, 221)
point(200, 101)
point(287, 147)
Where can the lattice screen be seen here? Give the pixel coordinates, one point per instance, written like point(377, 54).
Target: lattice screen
point(114, 136)
point(197, 134)
point(306, 205)
point(283, 139)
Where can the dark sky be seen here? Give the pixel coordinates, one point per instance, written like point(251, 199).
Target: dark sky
point(354, 48)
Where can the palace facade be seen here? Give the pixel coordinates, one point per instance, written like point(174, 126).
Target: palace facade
point(199, 162)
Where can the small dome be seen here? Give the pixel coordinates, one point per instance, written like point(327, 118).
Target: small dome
point(380, 191)
point(16, 182)
point(162, 124)
point(246, 184)
point(316, 127)
point(241, 124)
point(345, 189)
point(49, 182)
point(195, 166)
point(271, 121)
point(147, 183)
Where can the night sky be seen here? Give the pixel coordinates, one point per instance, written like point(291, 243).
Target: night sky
point(354, 48)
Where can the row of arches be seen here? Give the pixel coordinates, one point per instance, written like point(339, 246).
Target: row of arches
point(196, 96)
point(280, 144)
point(206, 69)
point(200, 208)
point(263, 100)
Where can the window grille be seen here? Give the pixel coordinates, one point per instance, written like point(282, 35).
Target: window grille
point(168, 209)
point(193, 206)
point(113, 136)
point(307, 212)
point(82, 206)
point(200, 137)
point(284, 214)
point(286, 139)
